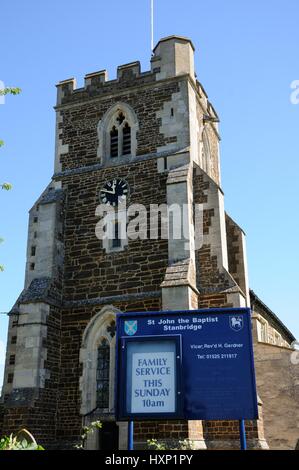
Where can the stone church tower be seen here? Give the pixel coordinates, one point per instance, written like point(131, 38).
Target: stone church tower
point(155, 136)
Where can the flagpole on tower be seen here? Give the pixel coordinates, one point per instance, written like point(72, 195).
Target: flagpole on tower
point(152, 25)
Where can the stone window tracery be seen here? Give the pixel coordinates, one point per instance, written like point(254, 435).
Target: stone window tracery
point(117, 134)
point(97, 356)
point(120, 136)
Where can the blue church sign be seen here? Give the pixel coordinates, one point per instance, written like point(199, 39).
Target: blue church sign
point(195, 364)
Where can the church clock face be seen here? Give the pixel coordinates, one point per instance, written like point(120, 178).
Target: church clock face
point(114, 191)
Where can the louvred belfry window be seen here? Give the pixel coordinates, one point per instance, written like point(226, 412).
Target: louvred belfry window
point(103, 371)
point(117, 134)
point(126, 139)
point(120, 136)
point(114, 142)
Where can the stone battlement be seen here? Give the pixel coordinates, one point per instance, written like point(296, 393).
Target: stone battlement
point(173, 56)
point(128, 75)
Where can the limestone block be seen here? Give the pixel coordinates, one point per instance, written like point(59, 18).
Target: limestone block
point(173, 55)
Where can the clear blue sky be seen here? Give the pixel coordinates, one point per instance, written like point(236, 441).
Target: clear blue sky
point(246, 58)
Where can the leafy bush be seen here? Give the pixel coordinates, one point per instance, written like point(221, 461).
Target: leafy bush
point(186, 444)
point(23, 440)
point(86, 431)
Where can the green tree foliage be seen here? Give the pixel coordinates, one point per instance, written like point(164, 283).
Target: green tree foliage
point(3, 92)
point(7, 186)
point(11, 91)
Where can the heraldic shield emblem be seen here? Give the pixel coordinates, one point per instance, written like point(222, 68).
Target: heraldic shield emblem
point(236, 322)
point(131, 327)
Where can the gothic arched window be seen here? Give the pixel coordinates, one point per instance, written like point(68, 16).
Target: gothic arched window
point(103, 374)
point(117, 132)
point(120, 136)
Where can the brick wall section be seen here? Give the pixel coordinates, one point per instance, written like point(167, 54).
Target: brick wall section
point(160, 430)
point(228, 430)
point(213, 301)
point(180, 430)
point(167, 430)
point(38, 417)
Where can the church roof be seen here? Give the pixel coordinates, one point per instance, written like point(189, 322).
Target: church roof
point(255, 300)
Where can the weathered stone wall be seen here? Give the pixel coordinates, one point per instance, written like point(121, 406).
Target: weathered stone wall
point(211, 258)
point(88, 270)
point(78, 126)
point(237, 259)
point(278, 385)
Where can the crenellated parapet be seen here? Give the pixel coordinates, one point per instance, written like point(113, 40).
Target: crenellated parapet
point(64, 89)
point(96, 78)
point(173, 56)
